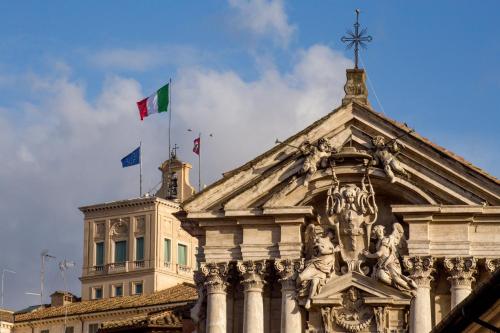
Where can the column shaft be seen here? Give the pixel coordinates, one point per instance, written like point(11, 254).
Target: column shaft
point(253, 273)
point(215, 284)
point(291, 318)
point(420, 269)
point(216, 312)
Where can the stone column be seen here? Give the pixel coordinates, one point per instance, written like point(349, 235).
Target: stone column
point(253, 273)
point(420, 269)
point(215, 275)
point(461, 271)
point(291, 319)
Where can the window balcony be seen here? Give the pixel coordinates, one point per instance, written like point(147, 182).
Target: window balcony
point(167, 264)
point(183, 269)
point(118, 267)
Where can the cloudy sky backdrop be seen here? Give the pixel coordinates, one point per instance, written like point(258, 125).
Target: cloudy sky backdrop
point(247, 71)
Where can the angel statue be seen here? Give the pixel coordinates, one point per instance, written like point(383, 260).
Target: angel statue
point(316, 157)
point(386, 154)
point(320, 265)
point(388, 267)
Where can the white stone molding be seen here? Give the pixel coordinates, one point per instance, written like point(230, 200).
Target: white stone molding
point(215, 277)
point(421, 270)
point(461, 272)
point(216, 284)
point(119, 228)
point(253, 274)
point(491, 264)
point(381, 315)
point(291, 318)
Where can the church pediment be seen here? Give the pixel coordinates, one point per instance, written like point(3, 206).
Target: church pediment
point(429, 174)
point(374, 292)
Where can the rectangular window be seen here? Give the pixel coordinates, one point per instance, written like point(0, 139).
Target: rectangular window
point(139, 248)
point(167, 250)
point(182, 254)
point(93, 328)
point(118, 291)
point(44, 331)
point(99, 254)
point(97, 293)
point(138, 288)
point(120, 251)
point(69, 329)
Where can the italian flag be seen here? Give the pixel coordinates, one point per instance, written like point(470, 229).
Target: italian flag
point(158, 102)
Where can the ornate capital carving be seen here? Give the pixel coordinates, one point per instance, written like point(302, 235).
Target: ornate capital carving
point(288, 270)
point(253, 274)
point(461, 270)
point(420, 269)
point(492, 265)
point(215, 276)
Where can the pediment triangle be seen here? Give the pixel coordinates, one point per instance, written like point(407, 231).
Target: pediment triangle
point(339, 284)
point(273, 179)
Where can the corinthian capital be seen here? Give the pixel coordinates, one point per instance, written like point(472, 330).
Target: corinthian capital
point(420, 269)
point(461, 270)
point(288, 269)
point(253, 274)
point(492, 264)
point(215, 276)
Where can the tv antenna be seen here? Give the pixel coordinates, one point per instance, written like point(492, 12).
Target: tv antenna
point(5, 270)
point(44, 256)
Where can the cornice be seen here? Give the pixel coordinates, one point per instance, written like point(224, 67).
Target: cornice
point(136, 202)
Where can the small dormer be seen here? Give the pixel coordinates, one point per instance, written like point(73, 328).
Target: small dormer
point(60, 298)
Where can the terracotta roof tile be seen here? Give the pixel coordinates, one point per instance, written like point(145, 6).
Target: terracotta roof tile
point(164, 318)
point(180, 293)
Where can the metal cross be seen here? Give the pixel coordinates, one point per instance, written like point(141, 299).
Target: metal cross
point(356, 38)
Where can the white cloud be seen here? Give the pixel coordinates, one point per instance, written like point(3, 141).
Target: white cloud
point(64, 149)
point(146, 57)
point(264, 18)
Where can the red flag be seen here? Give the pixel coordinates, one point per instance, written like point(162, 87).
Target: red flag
point(196, 148)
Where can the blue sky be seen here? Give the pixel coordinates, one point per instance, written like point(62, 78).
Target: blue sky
point(247, 71)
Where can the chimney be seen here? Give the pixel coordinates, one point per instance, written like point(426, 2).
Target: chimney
point(60, 298)
point(175, 180)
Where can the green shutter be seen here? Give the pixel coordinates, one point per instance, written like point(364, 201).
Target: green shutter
point(139, 248)
point(167, 250)
point(99, 254)
point(120, 251)
point(182, 254)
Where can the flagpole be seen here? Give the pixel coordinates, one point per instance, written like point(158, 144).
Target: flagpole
point(169, 117)
point(199, 163)
point(140, 169)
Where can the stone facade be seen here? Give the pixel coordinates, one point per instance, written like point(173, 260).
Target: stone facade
point(355, 224)
point(156, 268)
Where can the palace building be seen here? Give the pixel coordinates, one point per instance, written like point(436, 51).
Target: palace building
point(138, 265)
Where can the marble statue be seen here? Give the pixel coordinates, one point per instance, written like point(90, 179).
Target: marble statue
point(316, 156)
point(319, 267)
point(386, 154)
point(388, 267)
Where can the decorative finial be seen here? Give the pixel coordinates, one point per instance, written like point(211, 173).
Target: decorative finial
point(356, 39)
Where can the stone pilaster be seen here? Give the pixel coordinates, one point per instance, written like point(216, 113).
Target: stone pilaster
point(215, 284)
point(492, 265)
point(461, 272)
point(253, 274)
point(291, 319)
point(420, 269)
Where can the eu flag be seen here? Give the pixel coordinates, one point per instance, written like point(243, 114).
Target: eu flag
point(133, 158)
